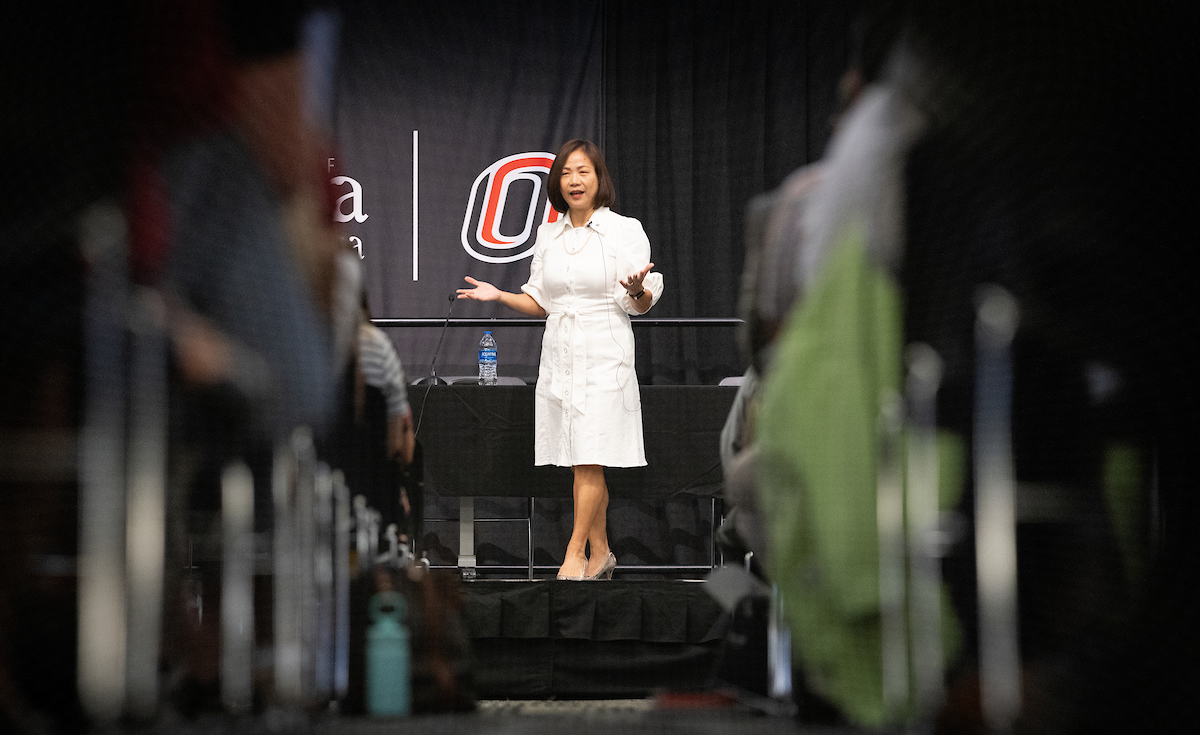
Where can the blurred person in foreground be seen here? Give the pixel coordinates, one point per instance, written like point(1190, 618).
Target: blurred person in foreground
point(772, 283)
point(230, 219)
point(1012, 146)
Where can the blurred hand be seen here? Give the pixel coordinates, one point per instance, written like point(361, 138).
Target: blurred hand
point(408, 441)
point(203, 354)
point(401, 440)
point(482, 291)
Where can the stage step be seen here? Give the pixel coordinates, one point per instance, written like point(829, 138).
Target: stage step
point(591, 640)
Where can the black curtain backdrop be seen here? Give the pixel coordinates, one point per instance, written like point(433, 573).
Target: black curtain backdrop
point(706, 105)
point(699, 106)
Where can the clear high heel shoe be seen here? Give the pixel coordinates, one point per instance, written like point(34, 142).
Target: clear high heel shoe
point(568, 578)
point(606, 571)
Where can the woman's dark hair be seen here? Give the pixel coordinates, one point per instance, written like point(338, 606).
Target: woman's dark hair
point(605, 193)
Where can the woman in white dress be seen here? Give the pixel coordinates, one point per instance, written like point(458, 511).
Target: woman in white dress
point(590, 272)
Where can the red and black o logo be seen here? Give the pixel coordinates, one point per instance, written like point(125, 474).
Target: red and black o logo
point(508, 203)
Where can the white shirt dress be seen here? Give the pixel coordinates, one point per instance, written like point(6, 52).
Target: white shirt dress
point(587, 407)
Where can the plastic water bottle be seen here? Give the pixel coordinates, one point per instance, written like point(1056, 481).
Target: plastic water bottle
point(487, 359)
point(389, 683)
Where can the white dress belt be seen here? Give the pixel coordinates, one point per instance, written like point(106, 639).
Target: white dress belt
point(568, 382)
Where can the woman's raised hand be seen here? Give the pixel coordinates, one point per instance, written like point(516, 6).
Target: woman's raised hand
point(633, 284)
point(482, 291)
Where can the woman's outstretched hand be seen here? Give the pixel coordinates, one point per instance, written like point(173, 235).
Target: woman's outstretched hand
point(482, 291)
point(633, 284)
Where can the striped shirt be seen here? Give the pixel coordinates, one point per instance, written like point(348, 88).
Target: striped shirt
point(381, 368)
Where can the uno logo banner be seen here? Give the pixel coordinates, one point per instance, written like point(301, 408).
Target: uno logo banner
point(508, 203)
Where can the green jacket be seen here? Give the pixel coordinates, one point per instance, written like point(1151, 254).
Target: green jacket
point(838, 359)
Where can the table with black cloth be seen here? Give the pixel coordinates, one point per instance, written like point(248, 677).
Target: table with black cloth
point(478, 442)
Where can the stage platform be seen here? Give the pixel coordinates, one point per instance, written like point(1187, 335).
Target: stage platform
point(591, 640)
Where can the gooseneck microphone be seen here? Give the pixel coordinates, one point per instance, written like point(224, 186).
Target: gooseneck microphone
point(432, 378)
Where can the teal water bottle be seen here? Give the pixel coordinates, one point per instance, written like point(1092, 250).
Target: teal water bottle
point(389, 691)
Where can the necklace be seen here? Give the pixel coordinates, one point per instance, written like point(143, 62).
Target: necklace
point(581, 247)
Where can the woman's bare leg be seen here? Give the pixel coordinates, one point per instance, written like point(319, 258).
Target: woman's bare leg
point(575, 559)
point(597, 531)
point(591, 500)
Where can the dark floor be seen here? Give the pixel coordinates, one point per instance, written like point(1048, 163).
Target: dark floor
point(603, 717)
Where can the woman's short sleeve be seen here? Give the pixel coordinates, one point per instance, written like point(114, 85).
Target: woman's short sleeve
point(635, 254)
point(535, 286)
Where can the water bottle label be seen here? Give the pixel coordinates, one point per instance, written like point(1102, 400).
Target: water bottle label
point(487, 356)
